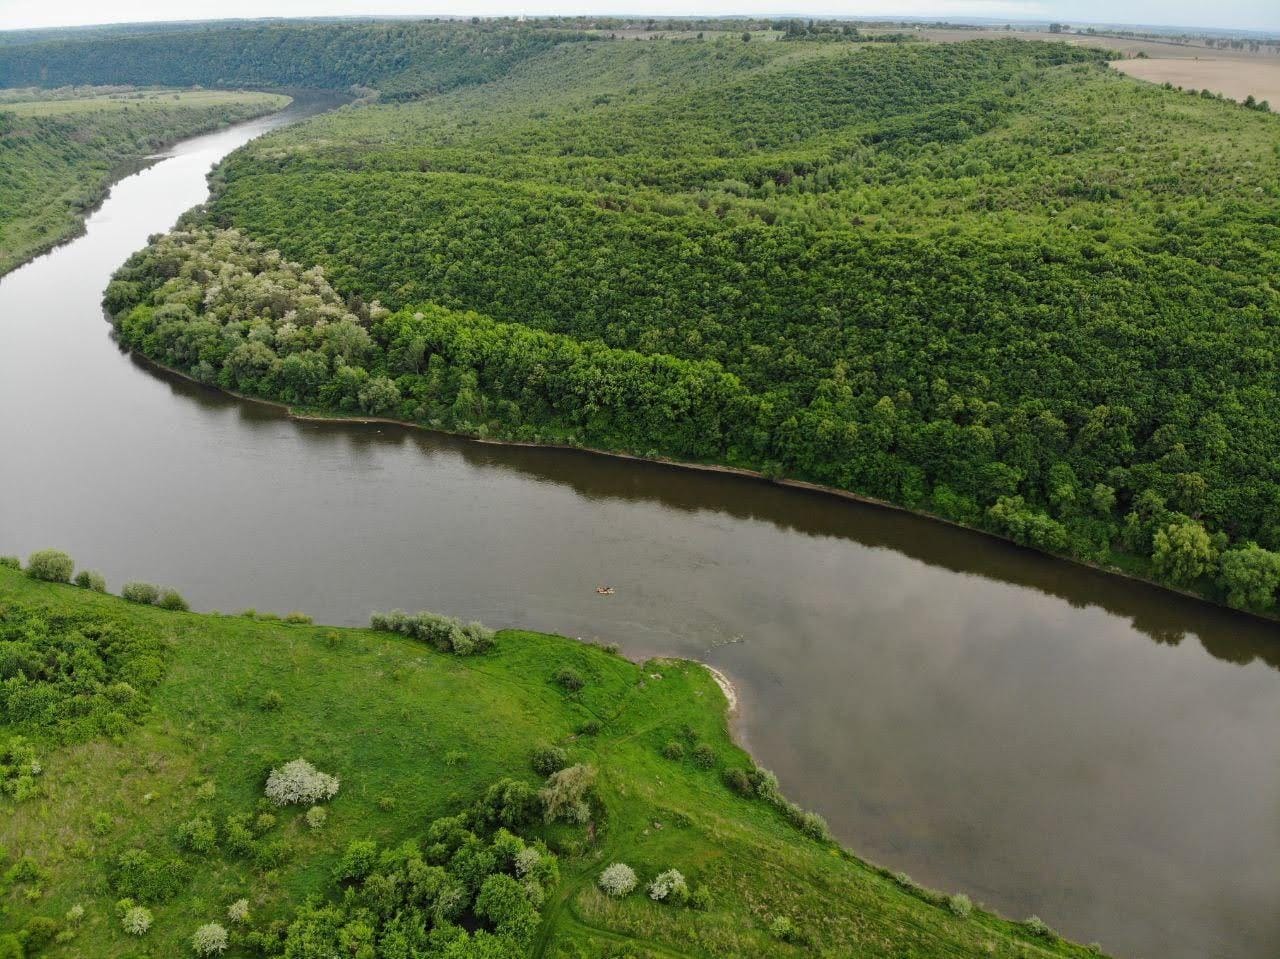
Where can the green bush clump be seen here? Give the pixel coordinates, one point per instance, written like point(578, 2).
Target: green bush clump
point(138, 592)
point(569, 679)
point(674, 749)
point(92, 580)
point(142, 876)
point(198, 836)
point(171, 599)
point(50, 565)
point(548, 759)
point(704, 755)
point(444, 633)
point(20, 769)
point(10, 562)
point(960, 905)
point(79, 673)
point(297, 618)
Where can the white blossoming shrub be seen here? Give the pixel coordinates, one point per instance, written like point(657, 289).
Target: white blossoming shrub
point(669, 887)
point(300, 782)
point(136, 920)
point(617, 880)
point(238, 911)
point(527, 860)
point(210, 939)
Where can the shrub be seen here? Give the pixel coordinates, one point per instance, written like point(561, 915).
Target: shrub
point(10, 562)
point(136, 920)
point(766, 784)
point(590, 728)
point(669, 887)
point(739, 781)
point(298, 619)
point(617, 880)
point(960, 905)
point(358, 861)
point(210, 939)
point(92, 580)
point(783, 929)
point(673, 749)
point(565, 794)
point(39, 932)
point(300, 782)
point(549, 759)
point(814, 826)
point(454, 757)
point(445, 634)
point(317, 816)
point(238, 911)
point(75, 915)
point(198, 836)
point(171, 599)
point(704, 755)
point(1038, 927)
point(569, 679)
point(50, 565)
point(137, 592)
point(700, 898)
point(271, 701)
point(140, 875)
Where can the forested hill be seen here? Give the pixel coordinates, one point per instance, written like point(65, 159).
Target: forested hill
point(995, 281)
point(399, 58)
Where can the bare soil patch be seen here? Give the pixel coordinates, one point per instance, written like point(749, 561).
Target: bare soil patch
point(1234, 78)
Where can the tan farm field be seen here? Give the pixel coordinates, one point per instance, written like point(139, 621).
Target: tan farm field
point(1236, 78)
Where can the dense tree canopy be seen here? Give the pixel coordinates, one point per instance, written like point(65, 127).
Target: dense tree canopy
point(992, 280)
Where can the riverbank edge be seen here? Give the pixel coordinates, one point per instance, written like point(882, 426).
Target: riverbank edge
point(123, 170)
point(308, 416)
point(728, 714)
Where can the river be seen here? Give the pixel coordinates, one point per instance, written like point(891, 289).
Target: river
point(1048, 739)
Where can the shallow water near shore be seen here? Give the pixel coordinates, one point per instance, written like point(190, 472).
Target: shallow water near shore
point(1047, 738)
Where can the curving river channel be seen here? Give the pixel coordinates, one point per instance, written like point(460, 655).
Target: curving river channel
point(1049, 739)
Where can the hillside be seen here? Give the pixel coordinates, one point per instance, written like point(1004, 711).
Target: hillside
point(992, 280)
point(153, 733)
point(398, 58)
point(60, 149)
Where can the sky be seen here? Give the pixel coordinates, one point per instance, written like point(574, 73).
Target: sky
point(1232, 14)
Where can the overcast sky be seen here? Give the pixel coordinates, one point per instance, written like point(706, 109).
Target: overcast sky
point(1237, 14)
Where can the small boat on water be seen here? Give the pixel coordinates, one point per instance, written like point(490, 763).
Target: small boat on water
point(604, 590)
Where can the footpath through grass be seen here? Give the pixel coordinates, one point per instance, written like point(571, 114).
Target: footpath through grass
point(145, 719)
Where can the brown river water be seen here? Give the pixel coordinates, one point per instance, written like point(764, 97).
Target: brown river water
point(1046, 738)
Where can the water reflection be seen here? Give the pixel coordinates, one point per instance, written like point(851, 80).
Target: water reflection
point(1167, 618)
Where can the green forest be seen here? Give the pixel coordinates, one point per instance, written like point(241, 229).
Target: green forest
point(60, 149)
point(174, 783)
point(993, 281)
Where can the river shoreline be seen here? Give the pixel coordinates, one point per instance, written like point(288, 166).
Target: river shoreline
point(749, 474)
point(123, 170)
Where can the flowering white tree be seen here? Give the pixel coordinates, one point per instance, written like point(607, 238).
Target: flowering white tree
point(669, 885)
point(210, 939)
point(618, 879)
point(136, 920)
point(238, 911)
point(300, 782)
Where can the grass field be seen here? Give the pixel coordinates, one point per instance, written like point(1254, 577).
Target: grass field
point(415, 734)
point(38, 106)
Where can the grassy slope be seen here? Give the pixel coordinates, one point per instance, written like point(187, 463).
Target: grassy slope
point(385, 713)
point(57, 156)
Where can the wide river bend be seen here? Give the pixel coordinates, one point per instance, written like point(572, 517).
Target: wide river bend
point(1049, 739)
